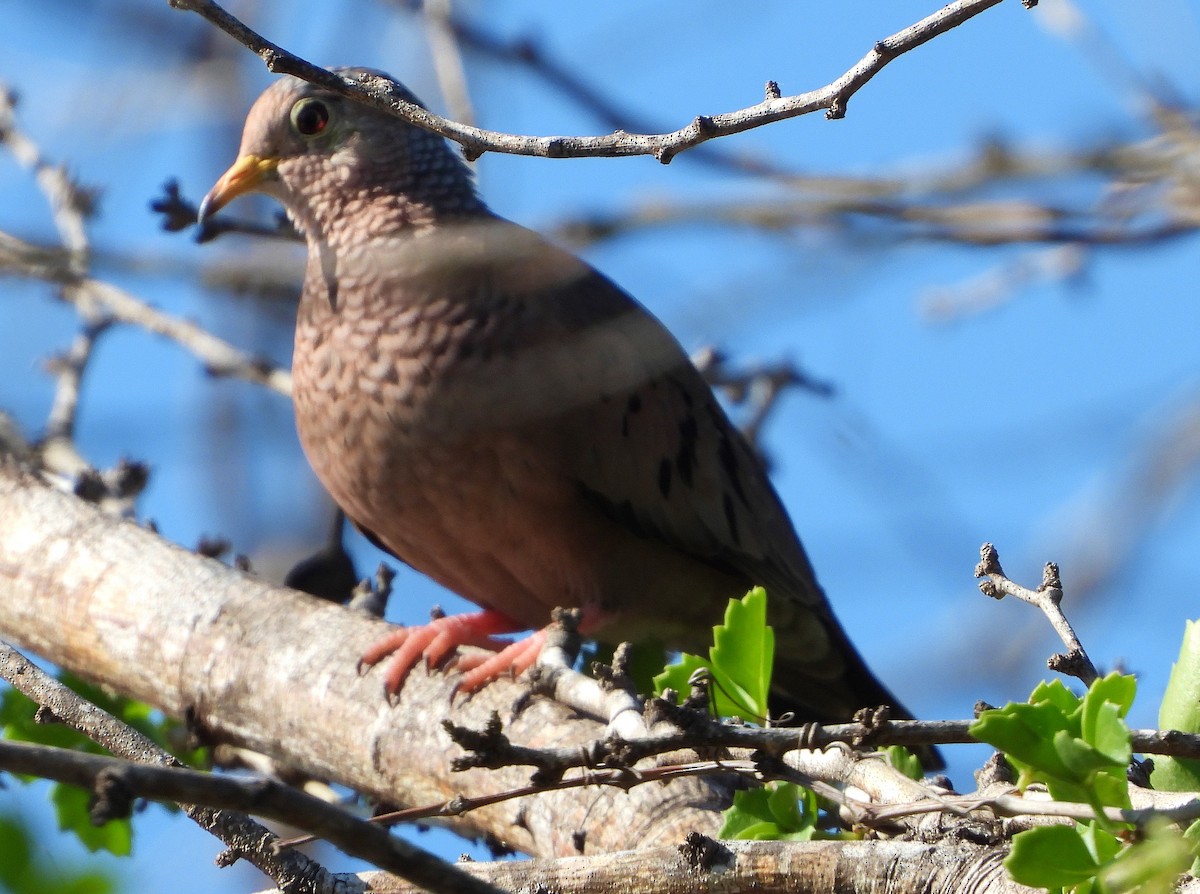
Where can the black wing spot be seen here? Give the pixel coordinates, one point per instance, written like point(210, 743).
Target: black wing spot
point(634, 405)
point(622, 513)
point(731, 518)
point(730, 464)
point(685, 459)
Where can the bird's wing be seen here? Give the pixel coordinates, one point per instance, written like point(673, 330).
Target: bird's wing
point(657, 452)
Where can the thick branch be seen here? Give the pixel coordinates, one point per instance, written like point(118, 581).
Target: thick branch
point(274, 670)
point(741, 867)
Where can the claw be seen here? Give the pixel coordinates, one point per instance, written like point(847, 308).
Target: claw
point(435, 642)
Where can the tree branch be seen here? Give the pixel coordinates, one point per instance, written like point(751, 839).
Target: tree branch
point(116, 782)
point(275, 671)
point(376, 93)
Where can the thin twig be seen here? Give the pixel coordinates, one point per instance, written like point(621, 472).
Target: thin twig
point(447, 60)
point(94, 296)
point(70, 204)
point(235, 830)
point(1047, 597)
point(262, 797)
point(376, 92)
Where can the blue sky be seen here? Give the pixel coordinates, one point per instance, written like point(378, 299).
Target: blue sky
point(1015, 425)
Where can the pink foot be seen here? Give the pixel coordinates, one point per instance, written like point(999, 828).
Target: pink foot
point(436, 640)
point(515, 659)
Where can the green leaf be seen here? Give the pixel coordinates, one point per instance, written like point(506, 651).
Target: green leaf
point(743, 654)
point(676, 676)
point(71, 808)
point(1192, 837)
point(1150, 866)
point(905, 761)
point(1180, 710)
point(780, 811)
point(1025, 733)
point(15, 856)
point(21, 873)
point(1050, 857)
point(739, 662)
point(1078, 747)
point(751, 808)
point(1056, 694)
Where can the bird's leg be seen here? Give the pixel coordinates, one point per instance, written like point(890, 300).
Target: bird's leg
point(435, 641)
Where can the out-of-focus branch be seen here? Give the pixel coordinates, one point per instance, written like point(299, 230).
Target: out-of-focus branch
point(70, 203)
point(117, 782)
point(379, 93)
point(447, 60)
point(245, 838)
point(94, 296)
point(758, 387)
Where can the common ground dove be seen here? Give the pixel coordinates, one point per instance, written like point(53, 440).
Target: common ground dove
point(502, 417)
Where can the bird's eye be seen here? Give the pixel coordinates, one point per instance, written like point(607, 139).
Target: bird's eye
point(310, 117)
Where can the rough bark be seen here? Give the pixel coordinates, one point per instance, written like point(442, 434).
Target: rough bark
point(274, 670)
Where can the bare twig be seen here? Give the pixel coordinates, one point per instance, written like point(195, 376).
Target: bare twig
point(760, 386)
point(447, 59)
point(245, 838)
point(378, 93)
point(70, 369)
point(263, 797)
point(94, 296)
point(1047, 597)
point(70, 203)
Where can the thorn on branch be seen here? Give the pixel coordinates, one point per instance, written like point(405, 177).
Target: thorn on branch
point(981, 706)
point(996, 771)
point(45, 715)
point(884, 50)
point(213, 547)
point(704, 854)
point(874, 721)
point(111, 797)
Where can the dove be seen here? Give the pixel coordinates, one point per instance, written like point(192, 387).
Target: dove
point(494, 412)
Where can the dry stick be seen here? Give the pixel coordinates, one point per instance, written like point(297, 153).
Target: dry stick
point(94, 296)
point(244, 837)
point(375, 92)
point(1015, 805)
point(588, 758)
point(447, 59)
point(70, 204)
point(123, 781)
point(1046, 597)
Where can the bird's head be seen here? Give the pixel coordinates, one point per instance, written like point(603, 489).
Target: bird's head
point(327, 159)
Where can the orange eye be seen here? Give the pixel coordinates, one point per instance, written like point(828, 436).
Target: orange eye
point(310, 117)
